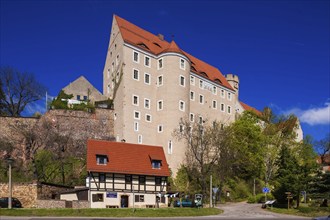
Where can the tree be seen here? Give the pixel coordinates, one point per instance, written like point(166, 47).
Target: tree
point(323, 148)
point(20, 89)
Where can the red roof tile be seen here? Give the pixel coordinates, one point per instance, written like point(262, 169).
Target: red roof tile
point(136, 36)
point(126, 158)
point(249, 108)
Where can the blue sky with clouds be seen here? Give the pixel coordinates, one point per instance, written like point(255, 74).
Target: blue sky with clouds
point(279, 49)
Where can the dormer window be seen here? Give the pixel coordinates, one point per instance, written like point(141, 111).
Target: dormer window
point(156, 164)
point(102, 159)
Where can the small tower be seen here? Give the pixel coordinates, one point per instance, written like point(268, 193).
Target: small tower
point(233, 80)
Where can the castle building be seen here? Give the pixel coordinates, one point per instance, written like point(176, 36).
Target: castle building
point(154, 84)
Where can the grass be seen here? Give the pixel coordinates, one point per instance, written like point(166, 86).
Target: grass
point(162, 212)
point(303, 211)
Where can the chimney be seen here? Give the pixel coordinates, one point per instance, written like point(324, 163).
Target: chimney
point(160, 36)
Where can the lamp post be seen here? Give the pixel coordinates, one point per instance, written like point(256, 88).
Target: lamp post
point(10, 162)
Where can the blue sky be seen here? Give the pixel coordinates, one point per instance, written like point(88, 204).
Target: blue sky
point(279, 49)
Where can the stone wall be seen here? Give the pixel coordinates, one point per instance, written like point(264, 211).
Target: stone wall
point(45, 204)
point(80, 204)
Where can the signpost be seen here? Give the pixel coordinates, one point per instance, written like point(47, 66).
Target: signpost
point(289, 196)
point(215, 190)
point(265, 190)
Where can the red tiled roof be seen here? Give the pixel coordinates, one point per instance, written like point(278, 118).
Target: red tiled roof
point(126, 158)
point(249, 108)
point(151, 43)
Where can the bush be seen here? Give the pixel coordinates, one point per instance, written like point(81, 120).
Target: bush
point(260, 198)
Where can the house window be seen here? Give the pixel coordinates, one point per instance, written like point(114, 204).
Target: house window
point(108, 89)
point(147, 103)
point(160, 63)
point(147, 61)
point(229, 96)
point(201, 99)
point(135, 56)
point(200, 120)
point(148, 118)
point(135, 74)
point(112, 67)
point(158, 181)
point(97, 197)
point(85, 98)
point(182, 81)
point(181, 105)
point(170, 147)
point(136, 115)
point(181, 128)
point(222, 107)
point(135, 100)
point(192, 95)
point(192, 117)
point(214, 104)
point(101, 177)
point(101, 159)
point(222, 93)
point(228, 109)
point(201, 84)
point(128, 179)
point(147, 78)
point(214, 90)
point(182, 64)
point(117, 60)
point(139, 198)
point(140, 139)
point(108, 73)
point(156, 164)
point(192, 80)
point(160, 128)
point(142, 180)
point(160, 105)
point(160, 80)
point(136, 126)
point(78, 97)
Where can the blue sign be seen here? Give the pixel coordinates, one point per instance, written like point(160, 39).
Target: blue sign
point(111, 195)
point(265, 190)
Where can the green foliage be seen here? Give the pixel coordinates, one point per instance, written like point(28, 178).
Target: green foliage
point(260, 198)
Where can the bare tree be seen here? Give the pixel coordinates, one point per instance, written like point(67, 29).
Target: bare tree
point(323, 148)
point(19, 89)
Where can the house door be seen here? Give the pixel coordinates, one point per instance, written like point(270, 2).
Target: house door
point(124, 201)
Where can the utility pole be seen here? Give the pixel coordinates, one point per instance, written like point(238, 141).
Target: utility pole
point(10, 161)
point(211, 191)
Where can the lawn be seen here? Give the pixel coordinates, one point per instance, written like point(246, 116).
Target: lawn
point(163, 212)
point(303, 211)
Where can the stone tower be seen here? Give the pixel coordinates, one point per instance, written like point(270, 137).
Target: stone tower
point(233, 80)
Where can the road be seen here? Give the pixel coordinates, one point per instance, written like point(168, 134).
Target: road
point(232, 211)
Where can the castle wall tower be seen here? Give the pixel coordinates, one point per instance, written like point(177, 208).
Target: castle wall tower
point(233, 80)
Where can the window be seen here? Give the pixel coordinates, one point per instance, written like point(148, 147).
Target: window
point(142, 180)
point(117, 60)
point(200, 120)
point(160, 63)
point(156, 164)
point(85, 98)
point(108, 88)
point(222, 107)
point(222, 93)
point(160, 80)
point(139, 198)
point(229, 96)
point(214, 90)
point(97, 197)
point(147, 61)
point(160, 128)
point(101, 159)
point(101, 177)
point(201, 84)
point(181, 128)
point(201, 99)
point(222, 126)
point(182, 81)
point(108, 73)
point(128, 179)
point(192, 80)
point(160, 105)
point(228, 109)
point(192, 95)
point(140, 139)
point(214, 104)
point(182, 64)
point(181, 105)
point(135, 100)
point(112, 67)
point(135, 74)
point(170, 147)
point(148, 118)
point(192, 117)
point(147, 103)
point(158, 181)
point(78, 97)
point(135, 56)
point(136, 115)
point(147, 78)
point(136, 126)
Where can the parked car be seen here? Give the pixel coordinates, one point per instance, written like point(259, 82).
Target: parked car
point(322, 218)
point(15, 203)
point(185, 203)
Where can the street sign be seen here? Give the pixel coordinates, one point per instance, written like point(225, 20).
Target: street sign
point(215, 190)
point(265, 190)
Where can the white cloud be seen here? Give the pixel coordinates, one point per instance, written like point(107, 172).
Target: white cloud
point(313, 116)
